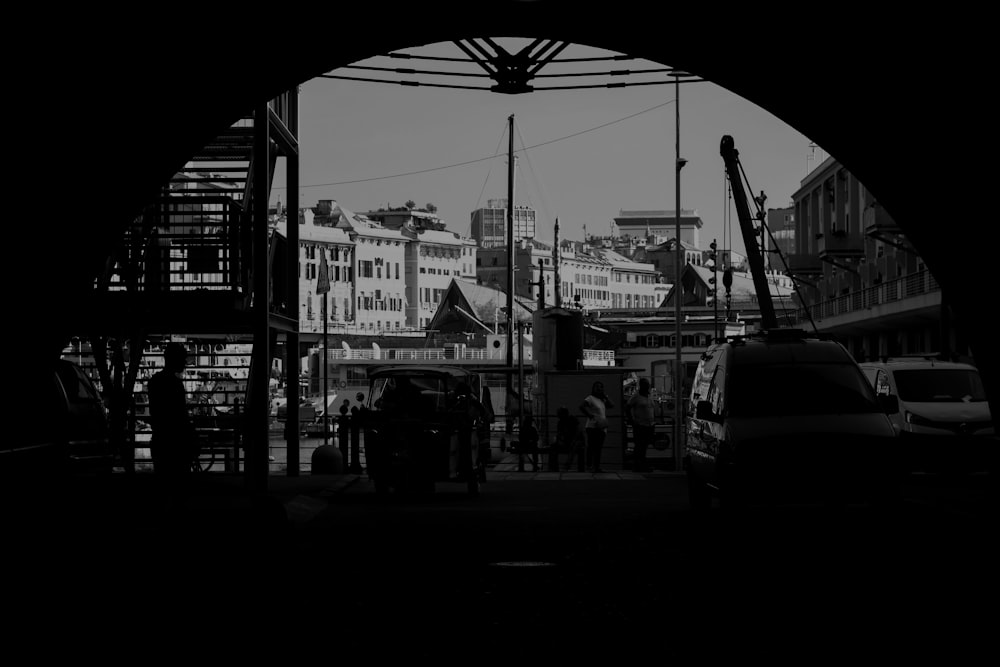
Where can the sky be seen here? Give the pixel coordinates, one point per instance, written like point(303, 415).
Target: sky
point(583, 155)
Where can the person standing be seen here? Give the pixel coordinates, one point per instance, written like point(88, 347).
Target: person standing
point(527, 444)
point(469, 413)
point(639, 411)
point(174, 444)
point(595, 407)
point(570, 438)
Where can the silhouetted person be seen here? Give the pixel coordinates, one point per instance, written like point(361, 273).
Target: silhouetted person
point(595, 408)
point(528, 444)
point(640, 412)
point(469, 413)
point(570, 438)
point(174, 444)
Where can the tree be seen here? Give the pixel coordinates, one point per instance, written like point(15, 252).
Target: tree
point(410, 204)
point(430, 208)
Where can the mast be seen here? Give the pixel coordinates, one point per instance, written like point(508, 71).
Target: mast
point(510, 262)
point(556, 275)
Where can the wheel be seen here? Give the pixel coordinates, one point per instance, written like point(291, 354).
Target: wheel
point(203, 462)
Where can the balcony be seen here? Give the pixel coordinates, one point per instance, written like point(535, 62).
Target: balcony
point(839, 244)
point(878, 223)
point(805, 264)
point(861, 303)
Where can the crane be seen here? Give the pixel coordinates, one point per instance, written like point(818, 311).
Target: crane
point(731, 157)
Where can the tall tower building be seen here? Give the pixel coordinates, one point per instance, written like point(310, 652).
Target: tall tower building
point(489, 224)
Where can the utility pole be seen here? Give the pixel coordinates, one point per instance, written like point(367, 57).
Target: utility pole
point(510, 266)
point(679, 261)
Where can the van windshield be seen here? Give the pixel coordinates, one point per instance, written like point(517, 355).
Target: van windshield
point(766, 390)
point(939, 385)
point(409, 394)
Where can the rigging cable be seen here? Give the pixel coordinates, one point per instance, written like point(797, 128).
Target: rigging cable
point(764, 228)
point(482, 159)
point(479, 200)
point(538, 182)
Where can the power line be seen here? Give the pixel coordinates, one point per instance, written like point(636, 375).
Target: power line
point(482, 159)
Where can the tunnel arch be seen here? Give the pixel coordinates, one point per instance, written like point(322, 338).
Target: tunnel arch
point(146, 108)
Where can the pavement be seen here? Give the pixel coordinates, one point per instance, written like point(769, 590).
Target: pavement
point(212, 499)
point(305, 495)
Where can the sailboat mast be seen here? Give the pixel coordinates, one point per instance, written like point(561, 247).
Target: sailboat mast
point(510, 244)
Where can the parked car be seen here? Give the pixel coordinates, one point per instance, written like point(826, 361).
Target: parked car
point(425, 425)
point(787, 416)
point(943, 419)
point(64, 430)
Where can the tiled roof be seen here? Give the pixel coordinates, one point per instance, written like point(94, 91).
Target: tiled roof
point(742, 283)
point(483, 296)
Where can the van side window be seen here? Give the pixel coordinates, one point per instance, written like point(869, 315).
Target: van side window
point(716, 389)
point(701, 381)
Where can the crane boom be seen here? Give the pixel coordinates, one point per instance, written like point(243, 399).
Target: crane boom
point(768, 319)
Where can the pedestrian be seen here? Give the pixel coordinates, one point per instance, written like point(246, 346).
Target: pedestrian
point(527, 444)
point(639, 412)
point(595, 408)
point(469, 413)
point(570, 438)
point(174, 443)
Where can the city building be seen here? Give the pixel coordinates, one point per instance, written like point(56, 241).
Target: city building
point(631, 284)
point(316, 244)
point(589, 277)
point(663, 224)
point(433, 257)
point(489, 224)
point(859, 277)
point(780, 239)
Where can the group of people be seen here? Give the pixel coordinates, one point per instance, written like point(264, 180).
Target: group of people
point(174, 445)
point(585, 444)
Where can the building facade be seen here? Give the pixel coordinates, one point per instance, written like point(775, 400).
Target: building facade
point(860, 277)
point(659, 224)
point(489, 224)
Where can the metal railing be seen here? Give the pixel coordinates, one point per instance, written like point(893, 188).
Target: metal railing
point(914, 284)
point(184, 243)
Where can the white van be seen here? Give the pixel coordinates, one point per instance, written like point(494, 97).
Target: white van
point(943, 418)
point(786, 416)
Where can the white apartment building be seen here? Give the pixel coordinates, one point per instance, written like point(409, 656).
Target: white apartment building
point(379, 276)
point(599, 277)
point(336, 246)
point(433, 258)
point(633, 284)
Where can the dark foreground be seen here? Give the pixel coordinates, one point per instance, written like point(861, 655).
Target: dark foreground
point(566, 570)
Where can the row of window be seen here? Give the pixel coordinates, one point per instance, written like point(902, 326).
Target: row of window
point(658, 340)
point(440, 272)
point(335, 252)
point(373, 269)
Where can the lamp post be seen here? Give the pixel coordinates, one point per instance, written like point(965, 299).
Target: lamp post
point(679, 260)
